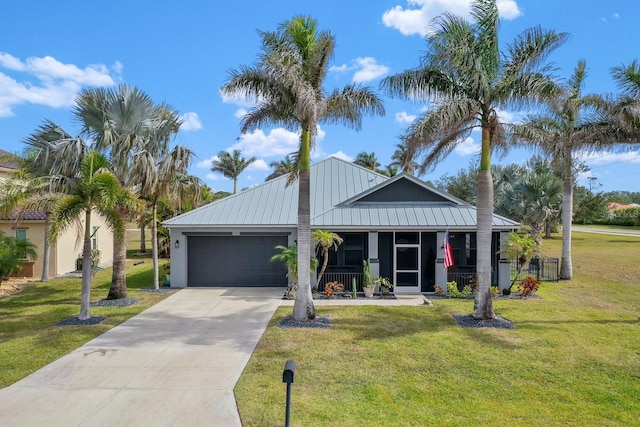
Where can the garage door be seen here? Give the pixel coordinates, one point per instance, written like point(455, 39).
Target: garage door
point(235, 261)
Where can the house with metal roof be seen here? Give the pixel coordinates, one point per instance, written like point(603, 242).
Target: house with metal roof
point(397, 223)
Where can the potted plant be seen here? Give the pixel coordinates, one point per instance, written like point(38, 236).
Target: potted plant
point(367, 281)
point(385, 285)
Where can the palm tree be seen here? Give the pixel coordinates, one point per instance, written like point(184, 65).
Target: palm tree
point(289, 257)
point(287, 83)
point(123, 121)
point(571, 123)
point(231, 165)
point(403, 158)
point(50, 151)
point(534, 199)
point(367, 160)
point(389, 170)
point(163, 174)
point(624, 112)
point(94, 188)
point(466, 77)
point(283, 167)
point(24, 193)
point(325, 240)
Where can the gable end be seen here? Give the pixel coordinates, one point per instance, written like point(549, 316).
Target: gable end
point(403, 191)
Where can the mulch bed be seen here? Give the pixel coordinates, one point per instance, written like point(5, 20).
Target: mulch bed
point(468, 321)
point(318, 322)
point(74, 321)
point(122, 302)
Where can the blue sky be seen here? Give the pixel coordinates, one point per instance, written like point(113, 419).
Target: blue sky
point(180, 53)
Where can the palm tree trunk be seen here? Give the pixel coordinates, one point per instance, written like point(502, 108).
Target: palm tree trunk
point(118, 287)
point(46, 253)
point(566, 269)
point(235, 185)
point(325, 253)
point(143, 237)
point(154, 244)
point(87, 271)
point(303, 308)
point(483, 305)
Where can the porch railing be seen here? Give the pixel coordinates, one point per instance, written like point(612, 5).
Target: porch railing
point(462, 279)
point(543, 269)
point(345, 278)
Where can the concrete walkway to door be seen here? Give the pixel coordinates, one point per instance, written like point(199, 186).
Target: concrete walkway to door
point(175, 364)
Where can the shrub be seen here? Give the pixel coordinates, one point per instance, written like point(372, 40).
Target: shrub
point(452, 289)
point(528, 287)
point(332, 287)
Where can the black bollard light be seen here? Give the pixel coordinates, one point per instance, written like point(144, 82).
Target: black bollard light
point(287, 377)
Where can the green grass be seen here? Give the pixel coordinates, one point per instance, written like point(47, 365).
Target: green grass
point(28, 338)
point(574, 358)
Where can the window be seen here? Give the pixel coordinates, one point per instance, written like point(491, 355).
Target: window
point(353, 249)
point(21, 236)
point(94, 238)
point(407, 238)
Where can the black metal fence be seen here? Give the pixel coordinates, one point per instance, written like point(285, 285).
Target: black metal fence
point(543, 269)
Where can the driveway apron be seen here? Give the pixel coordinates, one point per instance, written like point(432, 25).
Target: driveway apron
point(174, 364)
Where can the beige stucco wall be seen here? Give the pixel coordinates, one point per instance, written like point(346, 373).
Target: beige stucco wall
point(65, 251)
point(68, 248)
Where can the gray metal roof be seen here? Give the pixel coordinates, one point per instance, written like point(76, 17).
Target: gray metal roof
point(336, 188)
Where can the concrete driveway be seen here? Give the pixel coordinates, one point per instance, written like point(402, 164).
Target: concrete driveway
point(174, 364)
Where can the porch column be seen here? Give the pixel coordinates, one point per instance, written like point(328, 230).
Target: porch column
point(441, 274)
point(504, 267)
point(373, 254)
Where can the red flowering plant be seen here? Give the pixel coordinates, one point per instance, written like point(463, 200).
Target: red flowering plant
point(528, 287)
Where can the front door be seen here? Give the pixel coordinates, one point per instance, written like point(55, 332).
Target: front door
point(407, 268)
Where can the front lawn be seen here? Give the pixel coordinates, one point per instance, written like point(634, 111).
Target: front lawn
point(574, 358)
point(28, 338)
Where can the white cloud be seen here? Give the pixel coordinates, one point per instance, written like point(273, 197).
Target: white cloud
point(467, 147)
point(616, 15)
point(240, 113)
point(213, 176)
point(258, 165)
point(278, 142)
point(508, 9)
point(511, 117)
point(339, 68)
point(341, 155)
point(47, 81)
point(206, 163)
point(367, 69)
point(404, 118)
point(417, 16)
point(607, 158)
point(190, 122)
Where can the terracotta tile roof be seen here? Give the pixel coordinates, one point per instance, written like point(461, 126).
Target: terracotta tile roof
point(4, 163)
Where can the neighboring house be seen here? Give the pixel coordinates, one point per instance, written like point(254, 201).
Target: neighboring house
point(398, 223)
point(613, 206)
point(66, 250)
